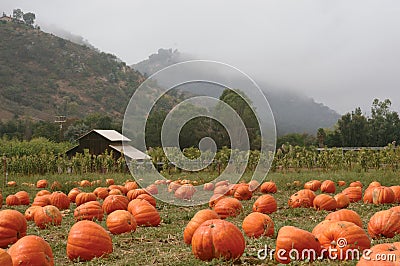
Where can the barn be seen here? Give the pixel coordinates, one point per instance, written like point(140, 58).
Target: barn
point(98, 141)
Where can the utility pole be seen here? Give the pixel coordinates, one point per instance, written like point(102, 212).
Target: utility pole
point(61, 119)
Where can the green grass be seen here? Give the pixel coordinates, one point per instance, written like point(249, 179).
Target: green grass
point(164, 245)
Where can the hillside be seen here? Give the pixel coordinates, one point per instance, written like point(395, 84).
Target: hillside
point(293, 112)
point(42, 75)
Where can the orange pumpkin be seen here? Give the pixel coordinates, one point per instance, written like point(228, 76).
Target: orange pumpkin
point(101, 192)
point(384, 223)
point(200, 217)
point(152, 189)
point(41, 201)
point(84, 197)
point(242, 192)
point(12, 200)
point(131, 185)
point(382, 195)
point(185, 191)
point(254, 186)
point(47, 215)
point(42, 183)
point(208, 187)
point(5, 258)
point(341, 183)
point(313, 185)
point(90, 210)
point(342, 200)
point(328, 186)
point(221, 190)
point(381, 251)
point(324, 202)
point(257, 224)
point(354, 193)
point(345, 215)
point(356, 184)
point(265, 204)
point(228, 207)
point(396, 191)
point(331, 234)
point(147, 197)
point(292, 238)
point(217, 238)
point(268, 187)
point(115, 202)
point(145, 214)
point(73, 193)
point(214, 199)
point(132, 194)
point(55, 186)
point(302, 198)
point(60, 200)
point(110, 181)
point(31, 250)
point(23, 197)
point(43, 192)
point(121, 221)
point(88, 240)
point(12, 227)
point(30, 212)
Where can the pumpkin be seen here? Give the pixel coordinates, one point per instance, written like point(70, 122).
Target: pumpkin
point(354, 193)
point(131, 185)
point(12, 227)
point(12, 200)
point(85, 183)
point(257, 224)
point(60, 200)
point(231, 189)
point(145, 214)
point(120, 221)
point(328, 186)
point(214, 199)
point(254, 186)
point(356, 184)
point(217, 238)
point(324, 202)
point(208, 187)
point(242, 192)
point(41, 201)
point(228, 207)
point(340, 236)
point(84, 197)
point(221, 189)
point(185, 191)
point(345, 215)
point(342, 201)
point(5, 258)
point(152, 189)
point(265, 204)
point(268, 187)
point(47, 215)
point(313, 185)
point(341, 183)
point(31, 250)
point(302, 198)
point(396, 191)
point(73, 193)
point(23, 197)
point(122, 189)
point(115, 202)
point(382, 254)
point(200, 217)
point(292, 238)
point(88, 240)
point(147, 197)
point(115, 191)
point(101, 192)
point(382, 195)
point(374, 184)
point(222, 183)
point(110, 181)
point(30, 212)
point(55, 186)
point(90, 210)
point(42, 183)
point(11, 183)
point(132, 194)
point(174, 185)
point(384, 223)
point(367, 198)
point(42, 193)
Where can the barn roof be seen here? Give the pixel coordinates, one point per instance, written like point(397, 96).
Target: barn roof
point(111, 135)
point(130, 152)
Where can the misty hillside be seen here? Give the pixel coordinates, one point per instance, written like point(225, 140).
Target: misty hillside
point(42, 75)
point(293, 112)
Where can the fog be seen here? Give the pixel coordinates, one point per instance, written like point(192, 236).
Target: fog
point(341, 53)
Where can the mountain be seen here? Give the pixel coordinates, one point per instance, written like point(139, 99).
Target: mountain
point(293, 112)
point(42, 75)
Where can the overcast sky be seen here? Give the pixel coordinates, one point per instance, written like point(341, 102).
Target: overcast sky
point(341, 53)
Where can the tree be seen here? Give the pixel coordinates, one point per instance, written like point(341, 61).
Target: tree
point(29, 18)
point(384, 124)
point(321, 135)
point(353, 128)
point(17, 14)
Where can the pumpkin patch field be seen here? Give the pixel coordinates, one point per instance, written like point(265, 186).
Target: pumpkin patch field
point(107, 219)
